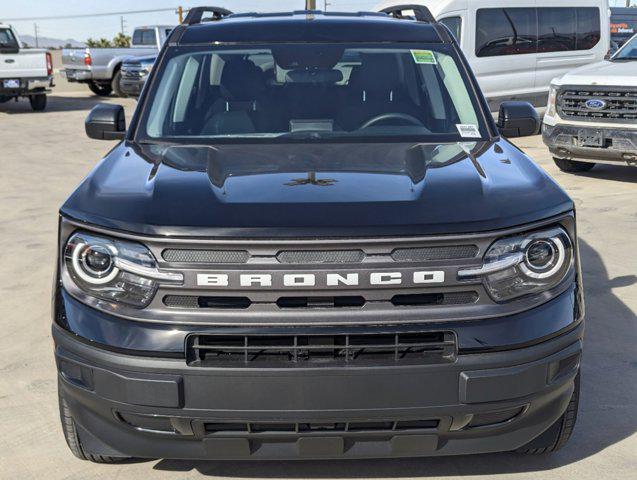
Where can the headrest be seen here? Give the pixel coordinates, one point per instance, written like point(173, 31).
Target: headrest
point(241, 80)
point(378, 73)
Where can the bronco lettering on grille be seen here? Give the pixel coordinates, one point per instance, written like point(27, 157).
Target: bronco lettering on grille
point(313, 280)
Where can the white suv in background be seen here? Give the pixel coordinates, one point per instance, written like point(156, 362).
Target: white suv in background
point(516, 47)
point(592, 114)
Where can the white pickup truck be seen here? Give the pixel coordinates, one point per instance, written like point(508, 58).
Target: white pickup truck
point(99, 68)
point(24, 72)
point(592, 114)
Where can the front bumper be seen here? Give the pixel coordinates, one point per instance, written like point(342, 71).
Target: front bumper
point(132, 87)
point(620, 145)
point(136, 405)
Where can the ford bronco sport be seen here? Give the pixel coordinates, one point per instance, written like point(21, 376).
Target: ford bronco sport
point(313, 241)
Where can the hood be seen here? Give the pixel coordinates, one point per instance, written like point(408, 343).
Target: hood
point(305, 190)
point(606, 73)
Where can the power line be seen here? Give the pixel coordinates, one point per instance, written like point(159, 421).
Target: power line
point(88, 15)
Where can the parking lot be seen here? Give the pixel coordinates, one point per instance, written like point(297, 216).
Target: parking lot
point(44, 155)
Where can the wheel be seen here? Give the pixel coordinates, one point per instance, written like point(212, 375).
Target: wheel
point(73, 439)
point(117, 89)
point(38, 102)
point(103, 90)
point(559, 433)
point(571, 166)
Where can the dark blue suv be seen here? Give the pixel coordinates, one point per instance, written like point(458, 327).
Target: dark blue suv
point(313, 241)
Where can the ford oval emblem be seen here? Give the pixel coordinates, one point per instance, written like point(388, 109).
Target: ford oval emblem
point(595, 104)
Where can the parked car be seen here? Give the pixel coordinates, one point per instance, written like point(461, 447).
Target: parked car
point(135, 71)
point(517, 49)
point(312, 244)
point(100, 68)
point(24, 72)
point(592, 114)
point(623, 24)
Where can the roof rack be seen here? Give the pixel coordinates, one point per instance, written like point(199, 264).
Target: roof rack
point(421, 13)
point(195, 15)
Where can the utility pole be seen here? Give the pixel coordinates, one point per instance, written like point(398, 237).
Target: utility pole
point(36, 30)
point(310, 4)
point(325, 5)
point(180, 14)
point(123, 24)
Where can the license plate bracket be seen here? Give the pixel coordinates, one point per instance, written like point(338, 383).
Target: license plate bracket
point(591, 138)
point(11, 83)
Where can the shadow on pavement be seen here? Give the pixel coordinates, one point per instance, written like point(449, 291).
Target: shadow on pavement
point(617, 173)
point(58, 103)
point(606, 416)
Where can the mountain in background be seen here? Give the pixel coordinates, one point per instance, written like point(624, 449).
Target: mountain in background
point(46, 42)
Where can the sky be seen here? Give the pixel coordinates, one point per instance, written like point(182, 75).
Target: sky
point(81, 29)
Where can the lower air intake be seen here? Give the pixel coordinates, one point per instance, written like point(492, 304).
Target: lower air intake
point(282, 351)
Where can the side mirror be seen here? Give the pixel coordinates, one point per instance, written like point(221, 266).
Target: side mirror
point(518, 119)
point(106, 122)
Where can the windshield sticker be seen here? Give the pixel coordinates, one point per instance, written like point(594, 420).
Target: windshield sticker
point(469, 131)
point(424, 57)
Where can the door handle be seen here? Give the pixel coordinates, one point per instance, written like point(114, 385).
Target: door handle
point(9, 60)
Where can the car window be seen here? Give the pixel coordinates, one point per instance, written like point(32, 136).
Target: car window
point(515, 31)
point(589, 29)
point(316, 92)
point(455, 25)
point(557, 29)
point(7, 40)
point(628, 52)
point(506, 31)
point(144, 37)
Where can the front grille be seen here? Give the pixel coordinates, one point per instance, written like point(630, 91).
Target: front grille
point(453, 252)
point(305, 302)
point(290, 350)
point(321, 256)
point(620, 104)
point(210, 257)
point(376, 426)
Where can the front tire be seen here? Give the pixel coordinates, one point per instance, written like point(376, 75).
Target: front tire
point(73, 439)
point(559, 433)
point(115, 84)
point(571, 166)
point(100, 89)
point(38, 102)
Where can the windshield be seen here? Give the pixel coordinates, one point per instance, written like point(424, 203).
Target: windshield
point(628, 52)
point(311, 92)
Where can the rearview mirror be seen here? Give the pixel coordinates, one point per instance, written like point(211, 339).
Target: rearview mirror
point(518, 119)
point(106, 122)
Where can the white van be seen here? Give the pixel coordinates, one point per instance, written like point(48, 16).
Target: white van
point(517, 47)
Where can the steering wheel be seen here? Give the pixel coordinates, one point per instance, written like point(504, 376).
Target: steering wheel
point(389, 116)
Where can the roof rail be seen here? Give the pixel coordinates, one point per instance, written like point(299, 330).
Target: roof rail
point(195, 15)
point(421, 13)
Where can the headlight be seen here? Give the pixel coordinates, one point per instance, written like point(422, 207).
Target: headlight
point(114, 270)
point(525, 264)
point(551, 109)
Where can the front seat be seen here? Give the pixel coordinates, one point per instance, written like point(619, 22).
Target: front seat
point(242, 90)
point(375, 88)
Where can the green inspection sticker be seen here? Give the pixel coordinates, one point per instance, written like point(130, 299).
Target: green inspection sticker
point(424, 57)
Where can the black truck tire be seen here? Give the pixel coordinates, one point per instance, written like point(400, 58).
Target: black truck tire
point(571, 166)
point(117, 89)
point(73, 439)
point(101, 89)
point(38, 102)
point(559, 433)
